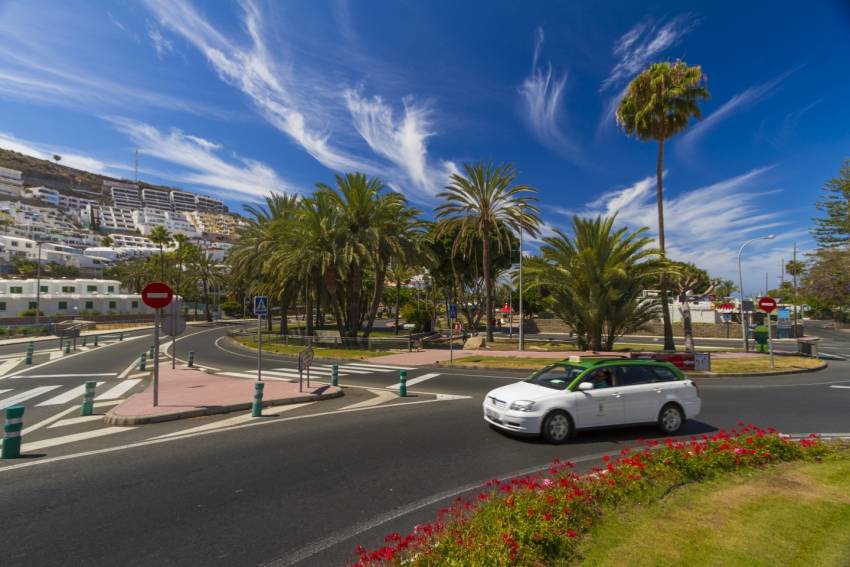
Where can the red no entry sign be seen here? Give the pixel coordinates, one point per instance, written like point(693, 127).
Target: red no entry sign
point(157, 295)
point(767, 304)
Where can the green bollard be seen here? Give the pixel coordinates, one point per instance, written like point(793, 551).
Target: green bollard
point(120, 336)
point(88, 399)
point(12, 432)
point(29, 354)
point(67, 347)
point(257, 408)
point(142, 361)
point(84, 340)
point(95, 340)
point(334, 375)
point(191, 359)
point(150, 352)
point(402, 383)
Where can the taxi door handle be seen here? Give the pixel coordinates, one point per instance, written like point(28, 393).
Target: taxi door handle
point(658, 390)
point(618, 395)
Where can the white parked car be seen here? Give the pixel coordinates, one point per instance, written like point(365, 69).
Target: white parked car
point(586, 393)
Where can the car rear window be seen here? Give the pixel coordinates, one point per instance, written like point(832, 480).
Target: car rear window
point(556, 377)
point(664, 374)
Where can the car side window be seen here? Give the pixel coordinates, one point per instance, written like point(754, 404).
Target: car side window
point(602, 378)
point(634, 375)
point(664, 374)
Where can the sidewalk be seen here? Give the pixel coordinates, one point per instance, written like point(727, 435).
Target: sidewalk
point(189, 392)
point(433, 356)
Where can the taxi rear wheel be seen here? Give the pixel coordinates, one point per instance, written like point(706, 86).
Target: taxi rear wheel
point(557, 427)
point(670, 419)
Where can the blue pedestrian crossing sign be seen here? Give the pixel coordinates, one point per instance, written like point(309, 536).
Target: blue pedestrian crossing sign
point(261, 305)
point(452, 311)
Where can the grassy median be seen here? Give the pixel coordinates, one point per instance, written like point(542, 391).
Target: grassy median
point(320, 352)
point(791, 514)
point(503, 362)
point(761, 363)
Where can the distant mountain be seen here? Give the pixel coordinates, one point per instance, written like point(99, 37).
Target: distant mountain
point(61, 177)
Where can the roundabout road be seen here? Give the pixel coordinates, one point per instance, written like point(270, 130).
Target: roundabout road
point(305, 490)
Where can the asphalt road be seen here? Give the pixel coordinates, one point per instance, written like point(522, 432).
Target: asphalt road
point(304, 488)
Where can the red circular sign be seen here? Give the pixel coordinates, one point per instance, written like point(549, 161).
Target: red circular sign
point(157, 295)
point(767, 304)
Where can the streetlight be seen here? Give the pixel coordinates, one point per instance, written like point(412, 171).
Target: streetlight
point(741, 286)
point(521, 321)
point(38, 283)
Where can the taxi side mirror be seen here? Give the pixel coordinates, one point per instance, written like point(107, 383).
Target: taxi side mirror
point(584, 386)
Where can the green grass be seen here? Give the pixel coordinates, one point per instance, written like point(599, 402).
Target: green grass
point(762, 364)
point(320, 352)
point(509, 362)
point(795, 514)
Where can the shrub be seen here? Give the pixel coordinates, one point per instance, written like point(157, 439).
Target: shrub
point(420, 316)
point(232, 308)
point(537, 520)
point(29, 313)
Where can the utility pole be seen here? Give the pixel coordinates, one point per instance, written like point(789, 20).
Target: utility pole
point(794, 276)
point(521, 313)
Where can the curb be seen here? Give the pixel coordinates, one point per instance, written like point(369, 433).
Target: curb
point(757, 374)
point(111, 419)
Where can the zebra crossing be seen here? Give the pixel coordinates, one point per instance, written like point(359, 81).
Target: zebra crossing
point(61, 394)
point(320, 371)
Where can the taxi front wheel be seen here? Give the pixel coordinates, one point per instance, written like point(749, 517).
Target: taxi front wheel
point(557, 427)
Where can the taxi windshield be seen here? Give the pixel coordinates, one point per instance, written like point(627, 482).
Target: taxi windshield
point(557, 377)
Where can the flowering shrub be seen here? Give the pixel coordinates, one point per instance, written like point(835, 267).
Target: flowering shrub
point(532, 520)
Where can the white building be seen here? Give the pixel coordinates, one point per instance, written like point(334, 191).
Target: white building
point(183, 201)
point(110, 219)
point(57, 199)
point(174, 222)
point(212, 225)
point(204, 203)
point(156, 199)
point(11, 182)
point(121, 253)
point(68, 297)
point(125, 196)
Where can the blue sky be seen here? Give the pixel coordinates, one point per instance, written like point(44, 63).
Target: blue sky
point(238, 99)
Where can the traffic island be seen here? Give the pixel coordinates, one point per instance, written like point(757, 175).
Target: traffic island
point(189, 392)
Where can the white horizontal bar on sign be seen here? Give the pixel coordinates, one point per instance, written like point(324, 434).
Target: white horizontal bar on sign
point(379, 366)
point(119, 390)
point(66, 397)
point(24, 396)
point(156, 295)
point(416, 380)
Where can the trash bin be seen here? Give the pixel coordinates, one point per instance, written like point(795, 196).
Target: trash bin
point(808, 346)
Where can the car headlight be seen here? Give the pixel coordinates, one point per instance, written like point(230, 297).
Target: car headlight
point(522, 405)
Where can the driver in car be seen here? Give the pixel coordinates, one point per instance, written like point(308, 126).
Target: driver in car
point(602, 379)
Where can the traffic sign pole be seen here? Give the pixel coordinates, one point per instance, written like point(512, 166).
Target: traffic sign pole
point(156, 295)
point(259, 347)
point(156, 359)
point(768, 304)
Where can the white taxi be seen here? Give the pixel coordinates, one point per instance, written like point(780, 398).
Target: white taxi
point(585, 393)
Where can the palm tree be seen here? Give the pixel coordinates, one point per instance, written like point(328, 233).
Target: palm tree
point(160, 236)
point(486, 204)
point(658, 105)
point(107, 241)
point(595, 279)
point(208, 273)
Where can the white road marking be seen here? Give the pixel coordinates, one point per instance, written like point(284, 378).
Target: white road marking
point(345, 368)
point(446, 397)
point(238, 420)
point(66, 397)
point(61, 414)
point(45, 443)
point(24, 396)
point(413, 381)
point(54, 354)
point(253, 376)
point(381, 396)
point(6, 390)
point(313, 371)
point(842, 387)
point(92, 375)
point(8, 365)
point(378, 367)
point(119, 390)
point(75, 420)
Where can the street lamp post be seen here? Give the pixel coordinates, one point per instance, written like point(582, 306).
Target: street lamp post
point(741, 287)
point(521, 314)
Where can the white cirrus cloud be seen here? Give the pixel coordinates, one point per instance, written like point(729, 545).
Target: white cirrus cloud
point(201, 164)
point(162, 45)
point(707, 225)
point(541, 102)
point(737, 103)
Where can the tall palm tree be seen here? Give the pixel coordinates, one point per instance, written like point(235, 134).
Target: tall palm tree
point(107, 241)
point(486, 203)
point(160, 236)
point(659, 104)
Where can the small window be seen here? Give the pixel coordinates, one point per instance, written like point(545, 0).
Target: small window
point(63, 305)
point(634, 375)
point(44, 289)
point(113, 304)
point(16, 289)
point(134, 304)
point(33, 305)
point(111, 288)
point(2, 306)
point(68, 289)
point(91, 288)
point(89, 304)
point(664, 374)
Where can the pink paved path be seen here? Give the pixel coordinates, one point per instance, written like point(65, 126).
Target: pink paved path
point(432, 356)
point(189, 392)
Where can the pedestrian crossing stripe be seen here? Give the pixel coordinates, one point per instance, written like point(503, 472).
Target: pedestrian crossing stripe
point(119, 390)
point(24, 396)
point(344, 368)
point(65, 397)
point(380, 367)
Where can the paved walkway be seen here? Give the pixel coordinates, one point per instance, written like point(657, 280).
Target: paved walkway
point(189, 392)
point(432, 356)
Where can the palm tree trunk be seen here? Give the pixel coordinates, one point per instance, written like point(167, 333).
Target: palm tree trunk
point(687, 323)
point(665, 307)
point(308, 308)
point(284, 313)
point(397, 302)
point(376, 299)
point(207, 311)
point(488, 286)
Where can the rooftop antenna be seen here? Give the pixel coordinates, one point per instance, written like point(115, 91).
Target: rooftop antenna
point(136, 165)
